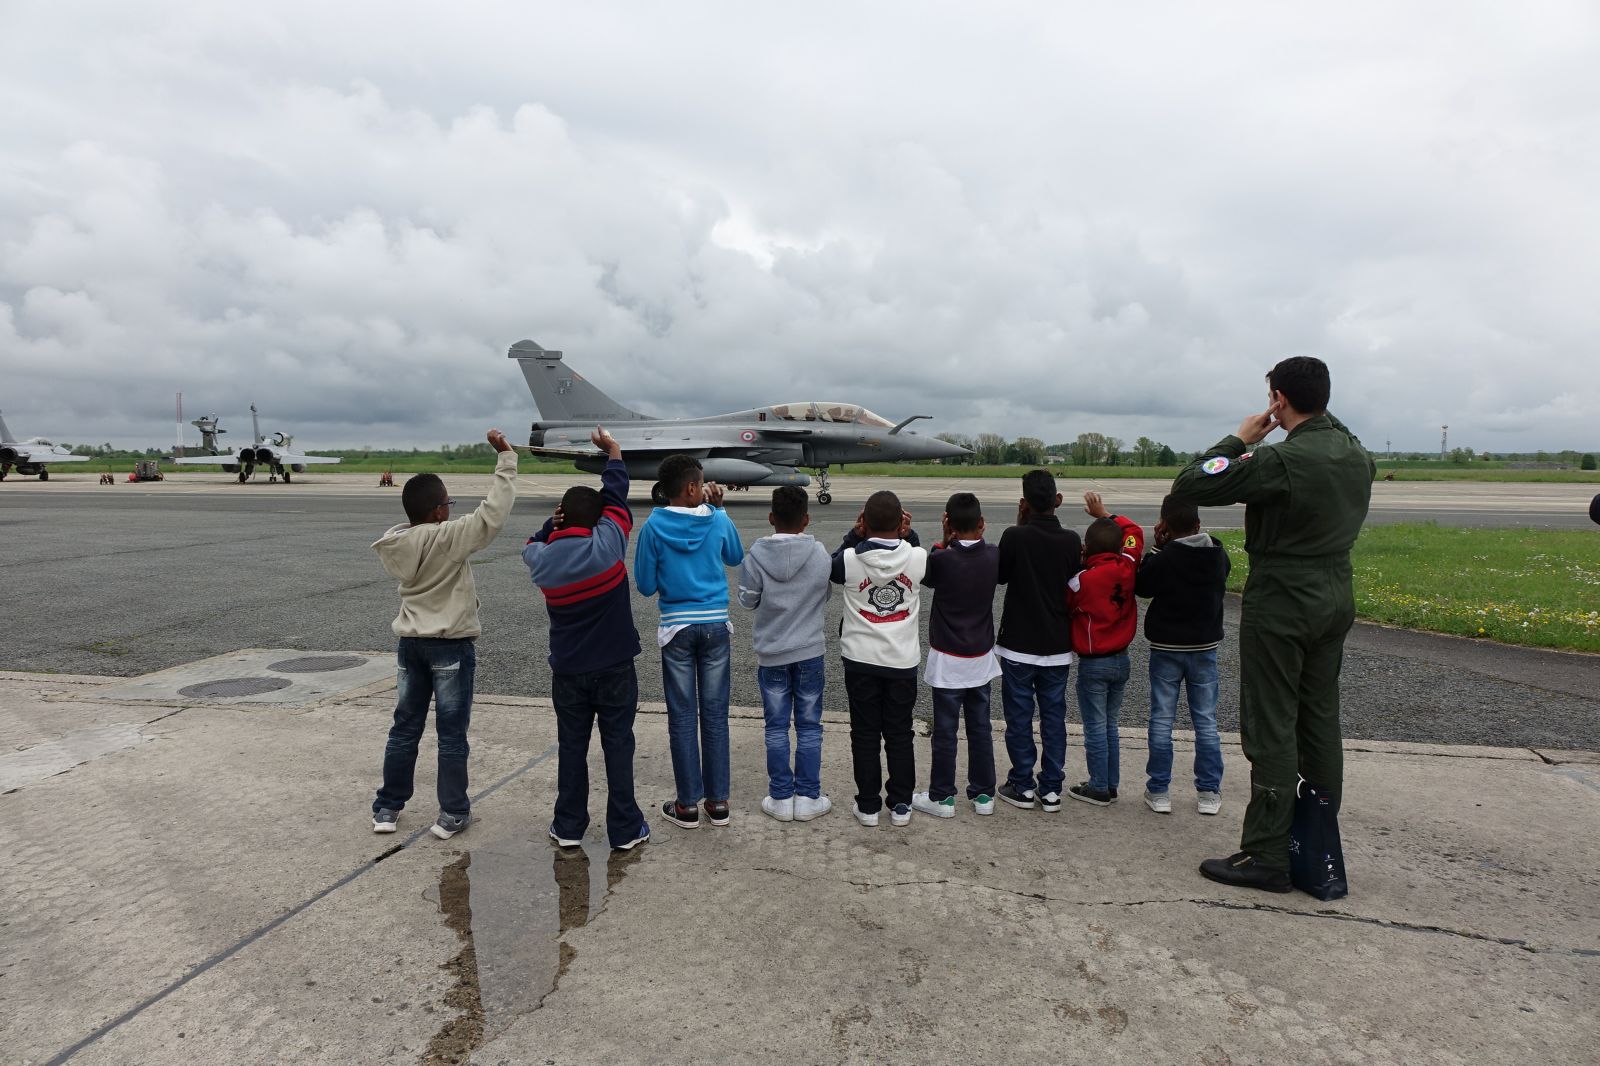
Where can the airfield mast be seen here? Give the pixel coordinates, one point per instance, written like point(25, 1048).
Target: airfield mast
point(179, 449)
point(1444, 441)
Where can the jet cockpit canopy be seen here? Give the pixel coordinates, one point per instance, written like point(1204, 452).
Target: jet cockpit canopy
point(818, 411)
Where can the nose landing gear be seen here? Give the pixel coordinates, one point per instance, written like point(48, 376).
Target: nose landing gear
point(824, 497)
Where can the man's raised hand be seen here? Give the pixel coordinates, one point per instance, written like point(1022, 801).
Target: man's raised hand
point(1254, 429)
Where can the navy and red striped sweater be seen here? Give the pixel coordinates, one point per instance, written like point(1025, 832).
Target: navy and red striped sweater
point(585, 583)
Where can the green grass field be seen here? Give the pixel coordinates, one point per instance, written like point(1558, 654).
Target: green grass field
point(1518, 586)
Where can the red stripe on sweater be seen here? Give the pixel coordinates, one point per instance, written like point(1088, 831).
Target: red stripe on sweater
point(586, 589)
point(620, 517)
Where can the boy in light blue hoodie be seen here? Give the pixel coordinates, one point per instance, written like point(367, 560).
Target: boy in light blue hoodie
point(683, 550)
point(784, 580)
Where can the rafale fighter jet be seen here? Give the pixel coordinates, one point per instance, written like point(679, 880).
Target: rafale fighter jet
point(30, 456)
point(761, 446)
point(274, 451)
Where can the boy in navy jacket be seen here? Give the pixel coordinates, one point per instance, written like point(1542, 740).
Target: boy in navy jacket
point(1186, 573)
point(963, 571)
point(1104, 617)
point(576, 560)
point(684, 549)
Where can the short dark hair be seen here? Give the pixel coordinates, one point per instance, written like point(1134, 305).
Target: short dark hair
point(1039, 489)
point(676, 472)
point(883, 512)
point(964, 511)
point(1103, 535)
point(789, 505)
point(421, 495)
point(1303, 380)
point(581, 506)
point(1181, 516)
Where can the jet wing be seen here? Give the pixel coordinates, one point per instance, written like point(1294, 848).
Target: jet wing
point(205, 460)
point(308, 460)
point(57, 457)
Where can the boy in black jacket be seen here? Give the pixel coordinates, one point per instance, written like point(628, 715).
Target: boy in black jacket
point(1037, 559)
point(1185, 575)
point(963, 572)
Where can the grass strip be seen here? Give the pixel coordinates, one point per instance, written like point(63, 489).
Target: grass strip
point(1539, 588)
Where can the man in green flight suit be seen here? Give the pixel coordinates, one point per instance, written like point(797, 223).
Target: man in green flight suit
point(1305, 499)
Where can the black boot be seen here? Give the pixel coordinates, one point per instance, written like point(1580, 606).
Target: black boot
point(1242, 870)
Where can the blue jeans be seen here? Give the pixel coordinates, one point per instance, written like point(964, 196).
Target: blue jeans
point(950, 706)
point(610, 698)
point(441, 670)
point(1197, 670)
point(694, 672)
point(1021, 684)
point(1100, 683)
point(793, 693)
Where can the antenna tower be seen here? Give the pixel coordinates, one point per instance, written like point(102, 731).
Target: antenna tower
point(179, 449)
point(1444, 441)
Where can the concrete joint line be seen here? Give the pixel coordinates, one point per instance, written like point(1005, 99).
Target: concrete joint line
point(250, 938)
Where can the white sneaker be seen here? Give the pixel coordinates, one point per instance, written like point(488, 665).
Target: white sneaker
point(1050, 802)
point(1210, 802)
point(983, 804)
point(868, 820)
point(1159, 802)
point(806, 808)
point(900, 814)
point(945, 808)
point(782, 810)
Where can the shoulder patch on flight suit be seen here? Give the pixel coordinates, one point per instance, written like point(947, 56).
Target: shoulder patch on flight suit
point(1215, 465)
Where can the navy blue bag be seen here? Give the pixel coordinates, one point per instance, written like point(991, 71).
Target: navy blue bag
point(1316, 859)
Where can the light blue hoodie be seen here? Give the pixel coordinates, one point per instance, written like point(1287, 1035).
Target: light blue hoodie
point(682, 554)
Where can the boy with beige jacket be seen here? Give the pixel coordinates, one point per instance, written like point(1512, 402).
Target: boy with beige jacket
point(437, 625)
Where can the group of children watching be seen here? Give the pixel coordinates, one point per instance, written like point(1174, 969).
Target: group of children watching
point(1067, 601)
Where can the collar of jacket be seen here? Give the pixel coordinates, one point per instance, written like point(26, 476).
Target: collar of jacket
point(1315, 422)
point(570, 531)
point(1037, 519)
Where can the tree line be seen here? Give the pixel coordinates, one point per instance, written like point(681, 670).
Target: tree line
point(1089, 449)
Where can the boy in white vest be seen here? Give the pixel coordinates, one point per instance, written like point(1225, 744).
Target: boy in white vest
point(880, 566)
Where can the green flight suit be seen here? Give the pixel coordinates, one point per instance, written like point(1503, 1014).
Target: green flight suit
point(1305, 500)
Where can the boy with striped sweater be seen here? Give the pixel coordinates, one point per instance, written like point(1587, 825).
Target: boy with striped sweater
point(576, 560)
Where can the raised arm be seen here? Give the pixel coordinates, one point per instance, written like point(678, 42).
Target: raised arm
point(477, 530)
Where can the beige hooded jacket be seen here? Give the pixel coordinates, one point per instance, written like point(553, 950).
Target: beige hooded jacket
point(437, 595)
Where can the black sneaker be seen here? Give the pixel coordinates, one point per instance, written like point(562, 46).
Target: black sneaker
point(683, 817)
point(1242, 871)
point(1098, 796)
point(717, 811)
point(1017, 797)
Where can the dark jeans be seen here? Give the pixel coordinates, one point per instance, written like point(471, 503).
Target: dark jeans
point(611, 698)
point(880, 714)
point(440, 670)
point(1021, 685)
point(950, 705)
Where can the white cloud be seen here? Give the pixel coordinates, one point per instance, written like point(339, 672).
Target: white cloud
point(1026, 219)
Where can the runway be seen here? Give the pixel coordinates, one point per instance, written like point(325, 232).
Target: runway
point(128, 579)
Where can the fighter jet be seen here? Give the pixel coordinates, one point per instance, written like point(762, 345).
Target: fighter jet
point(274, 451)
point(30, 456)
point(761, 446)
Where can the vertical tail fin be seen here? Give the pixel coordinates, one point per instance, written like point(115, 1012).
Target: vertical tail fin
point(5, 434)
point(255, 423)
point(561, 394)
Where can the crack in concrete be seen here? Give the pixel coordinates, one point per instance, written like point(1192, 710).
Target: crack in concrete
point(1216, 904)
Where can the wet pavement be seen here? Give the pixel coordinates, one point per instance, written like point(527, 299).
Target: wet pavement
point(211, 891)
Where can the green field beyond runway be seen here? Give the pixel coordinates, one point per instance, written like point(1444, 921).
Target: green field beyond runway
point(1520, 586)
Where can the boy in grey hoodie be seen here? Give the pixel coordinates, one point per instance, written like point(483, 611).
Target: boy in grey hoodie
point(784, 579)
point(437, 624)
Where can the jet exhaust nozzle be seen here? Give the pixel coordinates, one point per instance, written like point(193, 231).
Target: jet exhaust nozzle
point(8, 455)
point(263, 455)
point(247, 455)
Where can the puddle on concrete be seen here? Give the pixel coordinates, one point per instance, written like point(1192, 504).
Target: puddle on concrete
point(455, 1042)
point(525, 897)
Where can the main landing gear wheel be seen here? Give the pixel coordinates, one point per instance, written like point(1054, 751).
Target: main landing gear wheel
point(44, 475)
point(286, 475)
point(824, 497)
point(658, 495)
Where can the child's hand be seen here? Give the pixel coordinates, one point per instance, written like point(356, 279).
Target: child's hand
point(559, 519)
point(1095, 506)
point(1023, 510)
point(946, 535)
point(713, 493)
point(905, 524)
point(1162, 535)
point(498, 440)
point(860, 528)
point(605, 442)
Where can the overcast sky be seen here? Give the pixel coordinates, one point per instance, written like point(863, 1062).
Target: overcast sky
point(1017, 218)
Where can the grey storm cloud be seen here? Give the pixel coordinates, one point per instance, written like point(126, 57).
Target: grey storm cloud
point(1025, 219)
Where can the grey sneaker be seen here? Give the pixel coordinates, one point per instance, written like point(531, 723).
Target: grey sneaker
point(782, 810)
point(385, 821)
point(1159, 802)
point(1210, 802)
point(448, 825)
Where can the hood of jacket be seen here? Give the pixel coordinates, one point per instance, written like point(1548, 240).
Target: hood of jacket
point(885, 561)
point(1203, 548)
point(783, 557)
point(684, 530)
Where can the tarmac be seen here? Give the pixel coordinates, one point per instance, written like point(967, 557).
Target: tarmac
point(194, 880)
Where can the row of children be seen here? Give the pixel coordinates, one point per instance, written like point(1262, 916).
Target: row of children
point(1066, 601)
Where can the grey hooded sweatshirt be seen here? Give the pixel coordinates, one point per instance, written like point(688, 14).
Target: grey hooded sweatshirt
point(784, 579)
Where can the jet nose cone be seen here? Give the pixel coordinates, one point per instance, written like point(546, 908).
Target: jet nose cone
point(933, 448)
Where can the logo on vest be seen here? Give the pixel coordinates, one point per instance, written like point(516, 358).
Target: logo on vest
point(887, 601)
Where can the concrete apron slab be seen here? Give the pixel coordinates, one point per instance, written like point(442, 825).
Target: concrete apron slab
point(212, 896)
point(259, 675)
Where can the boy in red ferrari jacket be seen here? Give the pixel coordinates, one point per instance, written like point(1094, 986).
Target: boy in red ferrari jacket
point(1104, 617)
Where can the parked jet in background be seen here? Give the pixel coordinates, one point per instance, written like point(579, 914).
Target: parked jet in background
point(274, 451)
point(761, 446)
point(31, 456)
